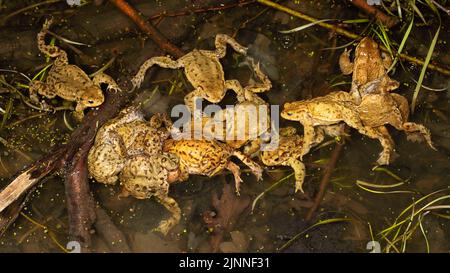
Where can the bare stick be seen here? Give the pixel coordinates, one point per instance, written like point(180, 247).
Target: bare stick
point(147, 28)
point(325, 180)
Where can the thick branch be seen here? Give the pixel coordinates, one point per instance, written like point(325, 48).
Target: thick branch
point(80, 203)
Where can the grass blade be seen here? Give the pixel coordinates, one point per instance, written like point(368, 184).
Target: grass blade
point(424, 69)
point(302, 27)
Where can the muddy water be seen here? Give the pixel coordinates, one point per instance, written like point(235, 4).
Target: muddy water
point(300, 67)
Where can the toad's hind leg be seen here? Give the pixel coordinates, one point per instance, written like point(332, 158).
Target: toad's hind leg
point(221, 45)
point(412, 128)
point(51, 50)
point(386, 142)
point(38, 87)
point(172, 206)
point(236, 171)
point(162, 61)
point(103, 78)
point(299, 172)
point(254, 167)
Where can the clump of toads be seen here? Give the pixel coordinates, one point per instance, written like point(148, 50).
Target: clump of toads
point(142, 157)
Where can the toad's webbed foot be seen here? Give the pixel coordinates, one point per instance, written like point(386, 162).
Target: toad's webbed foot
point(411, 128)
point(235, 170)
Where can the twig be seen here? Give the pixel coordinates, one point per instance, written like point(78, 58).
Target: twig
point(148, 28)
point(325, 180)
point(436, 67)
point(385, 19)
point(201, 10)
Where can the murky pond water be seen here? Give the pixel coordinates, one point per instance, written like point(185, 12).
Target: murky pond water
point(264, 218)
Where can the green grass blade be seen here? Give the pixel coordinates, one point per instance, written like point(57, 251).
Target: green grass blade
point(402, 44)
point(319, 223)
point(424, 69)
point(302, 27)
point(274, 185)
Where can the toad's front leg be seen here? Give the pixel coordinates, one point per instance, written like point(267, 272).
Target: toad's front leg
point(221, 45)
point(309, 138)
point(79, 111)
point(345, 64)
point(162, 61)
point(103, 78)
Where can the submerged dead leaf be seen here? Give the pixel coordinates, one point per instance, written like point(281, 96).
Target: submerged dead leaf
point(228, 208)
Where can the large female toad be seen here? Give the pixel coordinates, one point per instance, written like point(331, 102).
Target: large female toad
point(126, 135)
point(332, 109)
point(129, 149)
point(209, 157)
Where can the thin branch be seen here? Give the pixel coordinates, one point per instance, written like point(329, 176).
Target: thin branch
point(325, 180)
point(148, 28)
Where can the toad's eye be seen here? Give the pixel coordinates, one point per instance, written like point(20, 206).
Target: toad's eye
point(90, 101)
point(289, 113)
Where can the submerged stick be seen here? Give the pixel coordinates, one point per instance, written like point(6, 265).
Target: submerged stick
point(436, 67)
point(325, 180)
point(148, 28)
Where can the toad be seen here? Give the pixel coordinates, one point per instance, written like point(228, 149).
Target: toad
point(68, 81)
point(209, 158)
point(332, 109)
point(129, 149)
point(369, 70)
point(204, 71)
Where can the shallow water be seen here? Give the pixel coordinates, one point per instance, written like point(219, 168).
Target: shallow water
point(300, 67)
